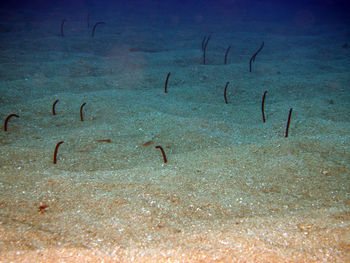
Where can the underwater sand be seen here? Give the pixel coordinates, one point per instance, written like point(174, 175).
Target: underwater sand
point(234, 189)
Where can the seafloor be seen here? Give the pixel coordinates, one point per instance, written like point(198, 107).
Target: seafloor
point(234, 189)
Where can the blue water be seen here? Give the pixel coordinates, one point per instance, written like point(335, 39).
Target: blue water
point(233, 187)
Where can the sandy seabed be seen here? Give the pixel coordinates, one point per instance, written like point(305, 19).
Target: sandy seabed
point(234, 189)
